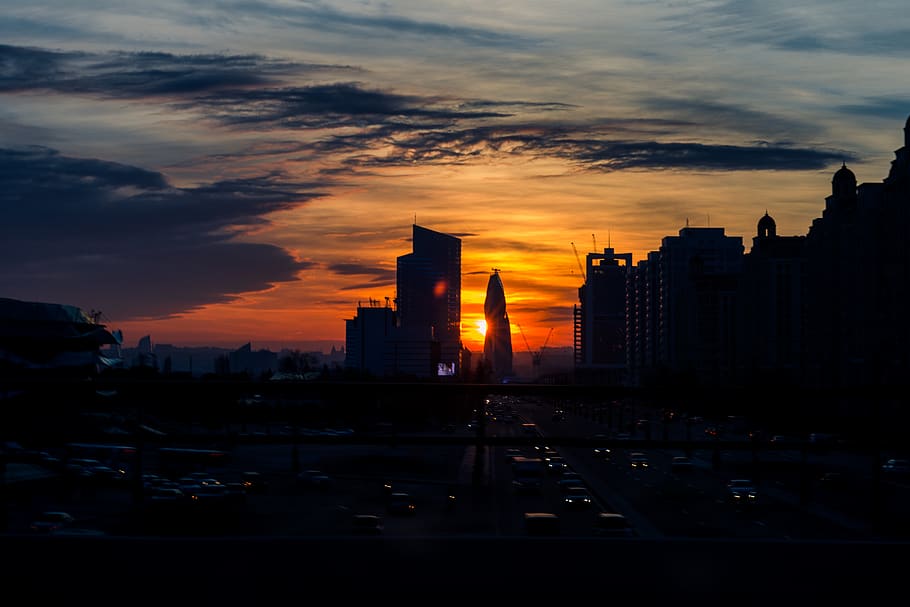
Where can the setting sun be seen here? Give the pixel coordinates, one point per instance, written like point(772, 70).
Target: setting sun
point(482, 327)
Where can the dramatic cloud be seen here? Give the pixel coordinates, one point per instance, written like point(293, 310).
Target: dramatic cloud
point(204, 162)
point(122, 238)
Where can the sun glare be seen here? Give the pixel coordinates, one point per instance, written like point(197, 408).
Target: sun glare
point(482, 327)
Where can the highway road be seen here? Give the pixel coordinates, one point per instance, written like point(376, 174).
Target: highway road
point(659, 503)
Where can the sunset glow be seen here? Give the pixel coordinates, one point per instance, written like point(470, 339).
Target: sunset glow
point(482, 327)
point(253, 177)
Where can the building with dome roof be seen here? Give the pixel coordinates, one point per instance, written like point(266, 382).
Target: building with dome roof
point(770, 347)
point(858, 281)
point(825, 310)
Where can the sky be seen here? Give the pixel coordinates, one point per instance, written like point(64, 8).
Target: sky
point(222, 172)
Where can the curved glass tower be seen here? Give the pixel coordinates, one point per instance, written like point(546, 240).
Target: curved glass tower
point(497, 345)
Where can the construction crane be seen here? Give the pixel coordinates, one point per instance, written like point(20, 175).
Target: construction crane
point(581, 266)
point(537, 356)
point(545, 342)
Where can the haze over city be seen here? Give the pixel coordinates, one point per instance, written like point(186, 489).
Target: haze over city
point(231, 173)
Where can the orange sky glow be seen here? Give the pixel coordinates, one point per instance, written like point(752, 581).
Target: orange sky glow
point(252, 176)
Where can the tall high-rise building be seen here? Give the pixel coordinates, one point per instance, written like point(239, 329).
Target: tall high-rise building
point(429, 297)
point(699, 273)
point(601, 318)
point(497, 344)
point(771, 303)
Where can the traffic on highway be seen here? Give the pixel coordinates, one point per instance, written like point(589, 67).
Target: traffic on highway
point(515, 463)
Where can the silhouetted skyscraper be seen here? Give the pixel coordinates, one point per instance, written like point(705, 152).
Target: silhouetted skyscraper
point(601, 318)
point(699, 274)
point(497, 344)
point(429, 296)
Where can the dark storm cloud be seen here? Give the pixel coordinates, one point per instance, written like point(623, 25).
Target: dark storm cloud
point(140, 74)
point(804, 30)
point(715, 117)
point(381, 277)
point(429, 130)
point(457, 146)
point(892, 109)
point(106, 235)
point(326, 19)
point(328, 106)
point(884, 43)
point(619, 155)
point(368, 284)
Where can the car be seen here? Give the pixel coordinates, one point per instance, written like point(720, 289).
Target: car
point(314, 478)
point(565, 484)
point(512, 453)
point(254, 482)
point(154, 495)
point(367, 524)
point(742, 491)
point(637, 459)
point(235, 492)
point(782, 439)
point(209, 495)
point(601, 451)
point(547, 454)
point(612, 524)
point(542, 523)
point(401, 504)
point(80, 467)
point(578, 498)
point(108, 475)
point(681, 464)
point(896, 466)
point(51, 522)
point(832, 480)
point(557, 465)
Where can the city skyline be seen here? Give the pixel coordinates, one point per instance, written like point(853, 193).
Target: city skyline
point(251, 174)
